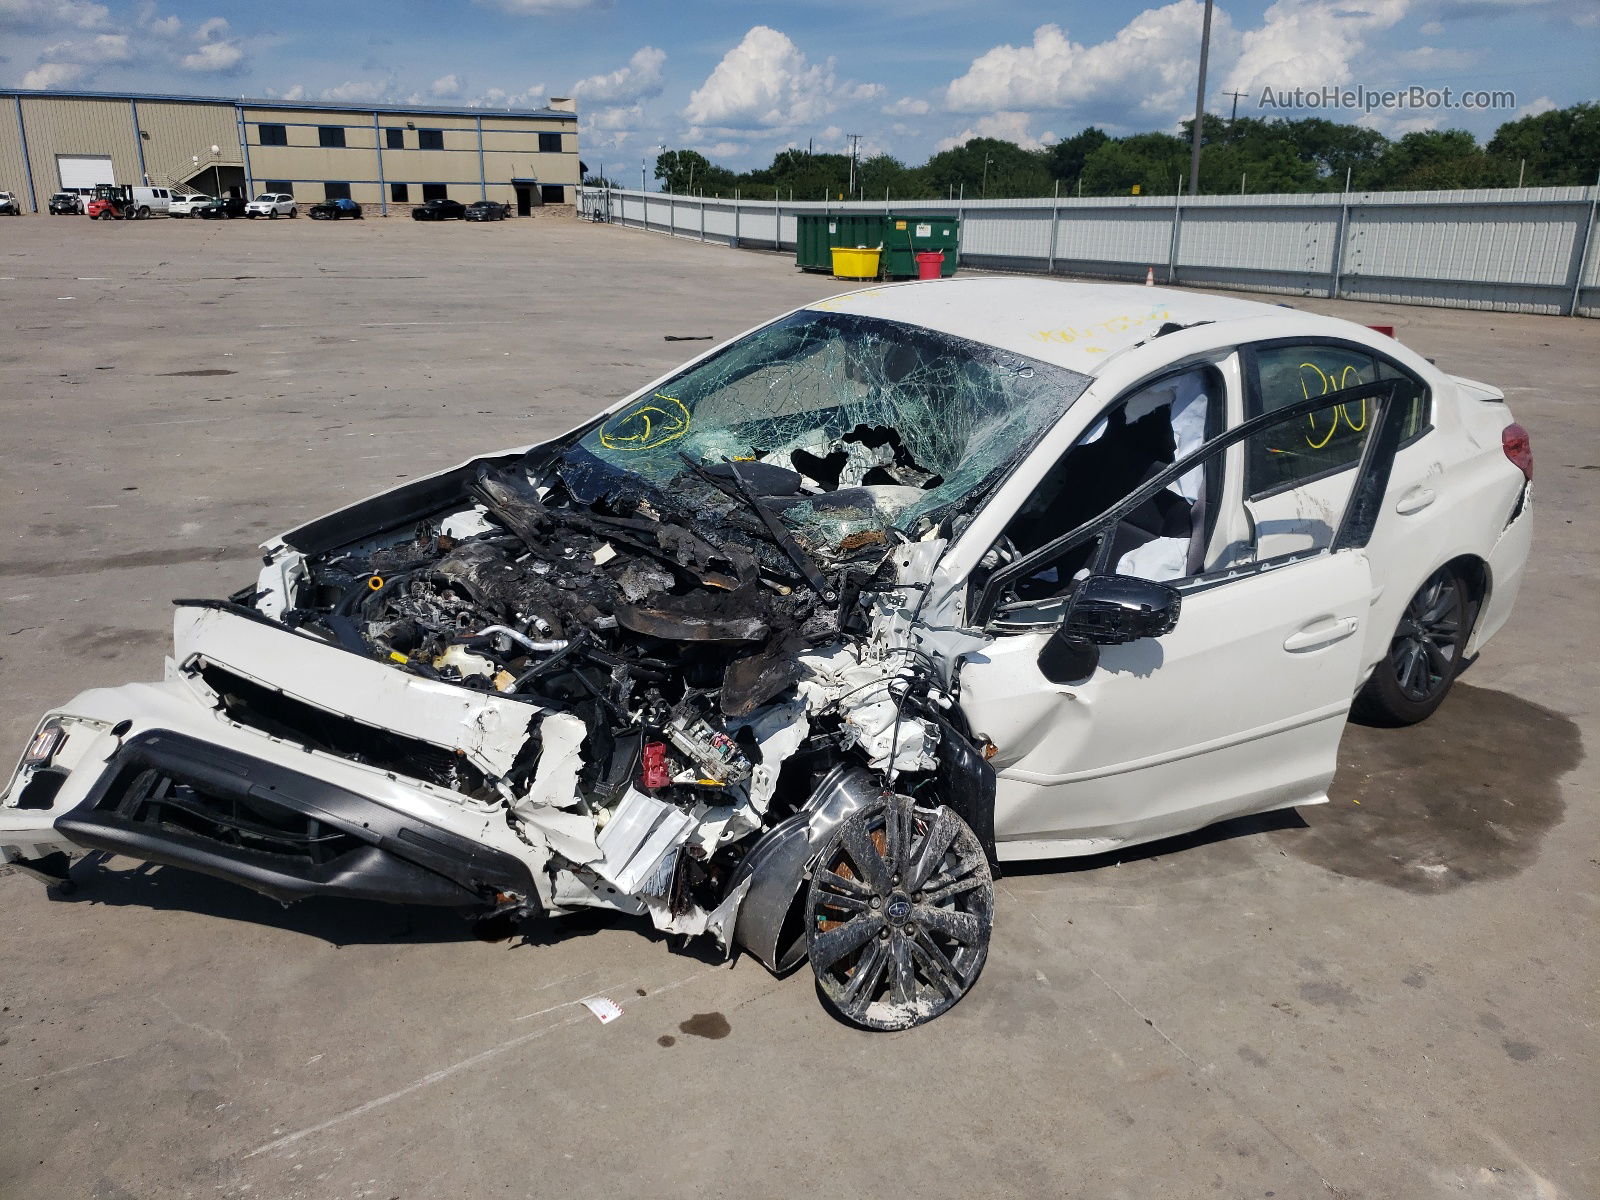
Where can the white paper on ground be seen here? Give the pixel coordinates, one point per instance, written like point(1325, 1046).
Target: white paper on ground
point(604, 1008)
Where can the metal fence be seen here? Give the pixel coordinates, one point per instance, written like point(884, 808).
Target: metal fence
point(1532, 250)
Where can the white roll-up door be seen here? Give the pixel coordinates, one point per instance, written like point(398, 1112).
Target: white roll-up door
point(84, 170)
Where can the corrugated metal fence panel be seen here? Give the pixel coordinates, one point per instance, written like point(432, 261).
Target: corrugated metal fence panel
point(1519, 250)
point(1499, 242)
point(1290, 240)
point(1133, 236)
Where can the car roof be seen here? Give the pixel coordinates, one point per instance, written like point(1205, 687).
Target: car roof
point(1079, 326)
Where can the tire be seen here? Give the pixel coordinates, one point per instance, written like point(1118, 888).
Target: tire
point(898, 914)
point(293, 213)
point(142, 214)
point(1411, 681)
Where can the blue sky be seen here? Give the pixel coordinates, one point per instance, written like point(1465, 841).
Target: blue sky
point(741, 80)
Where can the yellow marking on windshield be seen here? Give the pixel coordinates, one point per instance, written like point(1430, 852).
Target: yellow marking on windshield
point(646, 425)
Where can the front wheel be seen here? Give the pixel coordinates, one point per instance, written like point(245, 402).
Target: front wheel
point(293, 212)
point(898, 914)
point(1424, 658)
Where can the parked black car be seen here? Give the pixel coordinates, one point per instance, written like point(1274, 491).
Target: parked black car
point(486, 210)
point(332, 210)
point(222, 206)
point(66, 204)
point(439, 210)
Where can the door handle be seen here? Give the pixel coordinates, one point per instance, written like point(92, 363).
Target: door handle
point(1417, 499)
point(1322, 633)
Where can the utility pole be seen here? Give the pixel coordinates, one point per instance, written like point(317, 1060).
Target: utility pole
point(855, 142)
point(1235, 116)
point(1199, 105)
point(984, 192)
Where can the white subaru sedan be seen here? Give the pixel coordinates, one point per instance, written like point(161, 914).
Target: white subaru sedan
point(794, 646)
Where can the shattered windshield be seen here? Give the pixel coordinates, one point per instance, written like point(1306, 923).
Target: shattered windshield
point(884, 423)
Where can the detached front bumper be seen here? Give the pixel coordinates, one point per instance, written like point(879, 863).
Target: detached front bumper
point(182, 788)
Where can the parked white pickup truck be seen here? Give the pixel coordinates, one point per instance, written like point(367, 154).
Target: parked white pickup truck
point(271, 204)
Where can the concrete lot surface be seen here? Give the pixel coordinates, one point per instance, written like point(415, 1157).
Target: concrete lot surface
point(1389, 996)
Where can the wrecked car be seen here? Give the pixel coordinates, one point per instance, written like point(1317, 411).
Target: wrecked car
point(795, 646)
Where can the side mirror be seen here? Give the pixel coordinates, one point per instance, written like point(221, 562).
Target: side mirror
point(1107, 610)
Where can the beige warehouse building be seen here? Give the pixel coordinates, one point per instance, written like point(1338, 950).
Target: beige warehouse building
point(385, 157)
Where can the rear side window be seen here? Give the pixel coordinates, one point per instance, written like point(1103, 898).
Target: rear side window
point(1322, 442)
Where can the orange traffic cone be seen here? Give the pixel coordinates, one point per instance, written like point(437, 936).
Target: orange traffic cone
point(1149, 277)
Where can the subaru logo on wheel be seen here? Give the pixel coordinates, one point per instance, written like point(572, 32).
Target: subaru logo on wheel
point(899, 908)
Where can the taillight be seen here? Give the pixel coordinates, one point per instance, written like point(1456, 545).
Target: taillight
point(1514, 441)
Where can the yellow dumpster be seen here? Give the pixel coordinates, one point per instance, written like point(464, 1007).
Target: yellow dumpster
point(859, 262)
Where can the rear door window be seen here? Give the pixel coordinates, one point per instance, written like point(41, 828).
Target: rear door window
point(1321, 443)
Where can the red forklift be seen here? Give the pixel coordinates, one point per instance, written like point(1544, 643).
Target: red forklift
point(113, 201)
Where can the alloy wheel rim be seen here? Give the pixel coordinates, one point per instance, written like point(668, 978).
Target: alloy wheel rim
point(1426, 645)
point(899, 914)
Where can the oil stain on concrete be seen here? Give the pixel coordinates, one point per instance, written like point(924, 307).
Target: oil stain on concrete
point(706, 1025)
point(1465, 797)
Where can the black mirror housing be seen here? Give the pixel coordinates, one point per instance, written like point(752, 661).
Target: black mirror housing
point(1109, 610)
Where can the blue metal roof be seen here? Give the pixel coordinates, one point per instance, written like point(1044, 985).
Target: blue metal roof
point(549, 114)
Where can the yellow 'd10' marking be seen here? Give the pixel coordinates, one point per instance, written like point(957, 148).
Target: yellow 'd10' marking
point(648, 424)
point(1339, 410)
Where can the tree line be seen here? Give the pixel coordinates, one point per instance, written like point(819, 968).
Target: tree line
point(1248, 154)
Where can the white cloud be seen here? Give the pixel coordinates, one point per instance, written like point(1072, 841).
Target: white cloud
point(1311, 43)
point(1534, 107)
point(446, 87)
point(45, 16)
point(1148, 66)
point(104, 48)
point(352, 90)
point(215, 57)
point(531, 97)
point(906, 106)
point(537, 8)
point(766, 82)
point(52, 75)
point(620, 116)
point(640, 79)
point(1008, 126)
point(140, 38)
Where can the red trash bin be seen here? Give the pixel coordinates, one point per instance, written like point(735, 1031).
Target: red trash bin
point(930, 264)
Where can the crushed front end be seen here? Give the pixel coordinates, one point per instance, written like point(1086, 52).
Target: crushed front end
point(647, 667)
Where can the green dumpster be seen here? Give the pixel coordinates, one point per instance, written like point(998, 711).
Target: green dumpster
point(905, 237)
point(901, 238)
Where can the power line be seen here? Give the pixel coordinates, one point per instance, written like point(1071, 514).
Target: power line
point(1235, 115)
